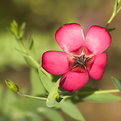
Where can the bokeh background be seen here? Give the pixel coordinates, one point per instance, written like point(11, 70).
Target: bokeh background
point(43, 17)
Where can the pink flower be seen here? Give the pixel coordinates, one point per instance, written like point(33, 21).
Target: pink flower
point(82, 57)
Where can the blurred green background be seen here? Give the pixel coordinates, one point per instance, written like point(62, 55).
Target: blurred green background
point(43, 17)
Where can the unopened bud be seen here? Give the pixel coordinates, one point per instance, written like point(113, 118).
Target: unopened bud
point(12, 86)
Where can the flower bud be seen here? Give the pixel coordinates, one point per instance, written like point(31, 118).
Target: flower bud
point(12, 86)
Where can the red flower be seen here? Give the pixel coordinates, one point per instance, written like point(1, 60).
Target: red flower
point(82, 55)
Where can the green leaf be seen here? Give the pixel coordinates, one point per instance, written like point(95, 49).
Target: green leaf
point(51, 114)
point(117, 83)
point(37, 86)
point(31, 43)
point(101, 98)
point(36, 117)
point(70, 109)
point(14, 29)
point(83, 92)
point(53, 95)
point(29, 105)
point(22, 30)
point(30, 61)
point(17, 31)
point(28, 58)
point(8, 101)
point(45, 80)
point(111, 29)
point(94, 95)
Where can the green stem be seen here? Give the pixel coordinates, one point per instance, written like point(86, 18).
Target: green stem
point(110, 19)
point(100, 92)
point(33, 97)
point(118, 10)
point(113, 16)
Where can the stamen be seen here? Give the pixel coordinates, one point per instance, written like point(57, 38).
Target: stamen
point(82, 61)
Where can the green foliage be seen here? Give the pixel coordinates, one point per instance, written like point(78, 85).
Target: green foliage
point(27, 109)
point(17, 31)
point(82, 93)
point(70, 109)
point(8, 99)
point(53, 95)
point(30, 43)
point(13, 108)
point(30, 61)
point(36, 117)
point(37, 87)
point(29, 105)
point(117, 83)
point(101, 98)
point(24, 109)
point(94, 95)
point(45, 80)
point(7, 50)
point(42, 85)
point(116, 5)
point(116, 10)
point(51, 114)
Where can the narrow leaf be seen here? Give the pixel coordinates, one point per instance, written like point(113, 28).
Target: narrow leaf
point(117, 83)
point(101, 98)
point(31, 105)
point(83, 92)
point(53, 95)
point(14, 29)
point(22, 30)
point(45, 80)
point(30, 61)
point(88, 94)
point(70, 109)
point(37, 86)
point(52, 114)
point(31, 43)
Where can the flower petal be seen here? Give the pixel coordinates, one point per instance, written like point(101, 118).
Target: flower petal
point(73, 81)
point(101, 60)
point(70, 37)
point(96, 72)
point(98, 39)
point(55, 62)
point(98, 66)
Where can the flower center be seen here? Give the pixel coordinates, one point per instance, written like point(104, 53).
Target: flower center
point(82, 60)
